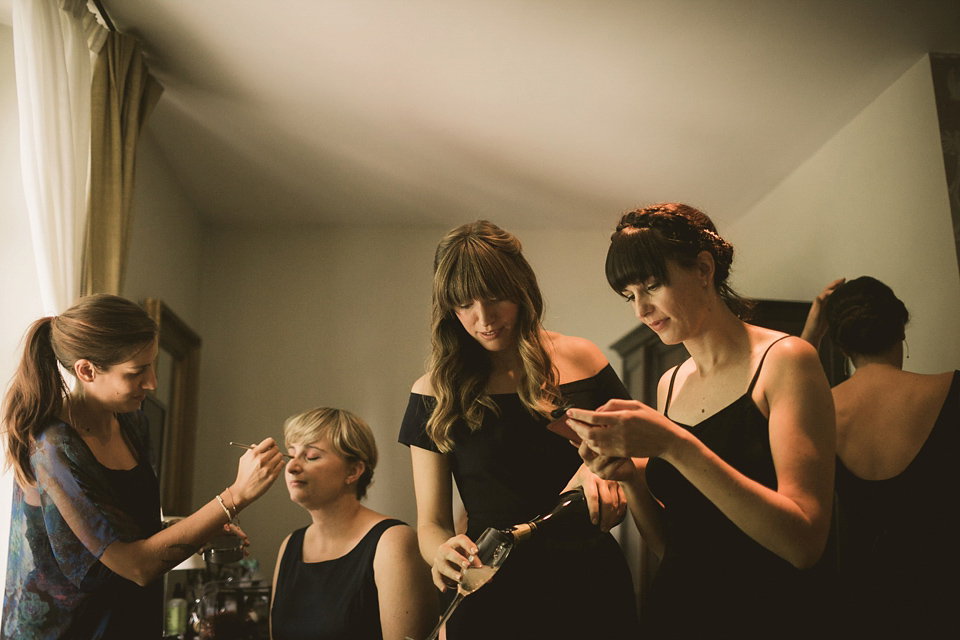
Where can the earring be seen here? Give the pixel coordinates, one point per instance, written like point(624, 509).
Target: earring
point(905, 344)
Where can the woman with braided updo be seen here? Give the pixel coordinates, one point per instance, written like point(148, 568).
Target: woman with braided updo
point(731, 481)
point(897, 441)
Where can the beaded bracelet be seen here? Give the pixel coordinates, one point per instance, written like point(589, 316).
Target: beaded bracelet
point(225, 510)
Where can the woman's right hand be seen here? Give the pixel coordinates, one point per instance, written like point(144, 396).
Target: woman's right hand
point(453, 556)
point(257, 470)
point(816, 325)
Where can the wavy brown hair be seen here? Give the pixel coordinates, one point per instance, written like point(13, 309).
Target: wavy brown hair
point(104, 329)
point(481, 261)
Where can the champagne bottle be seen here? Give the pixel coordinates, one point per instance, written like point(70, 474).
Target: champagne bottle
point(569, 520)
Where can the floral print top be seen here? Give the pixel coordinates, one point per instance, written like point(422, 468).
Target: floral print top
point(56, 586)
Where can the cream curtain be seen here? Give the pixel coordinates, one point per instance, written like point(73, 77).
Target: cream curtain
point(123, 96)
point(52, 62)
point(52, 67)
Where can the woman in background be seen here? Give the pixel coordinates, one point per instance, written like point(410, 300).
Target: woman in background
point(732, 482)
point(353, 574)
point(480, 414)
point(86, 545)
point(898, 435)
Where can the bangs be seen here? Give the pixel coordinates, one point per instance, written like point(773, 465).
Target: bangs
point(478, 272)
point(636, 256)
point(304, 429)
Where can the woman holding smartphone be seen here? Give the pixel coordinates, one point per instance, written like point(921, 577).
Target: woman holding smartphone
point(731, 482)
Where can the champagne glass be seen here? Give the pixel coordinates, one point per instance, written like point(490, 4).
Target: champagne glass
point(493, 546)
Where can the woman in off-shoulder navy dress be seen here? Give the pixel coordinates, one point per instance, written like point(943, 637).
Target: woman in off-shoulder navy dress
point(480, 415)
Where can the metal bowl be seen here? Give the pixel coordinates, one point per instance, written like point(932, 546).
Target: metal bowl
point(223, 550)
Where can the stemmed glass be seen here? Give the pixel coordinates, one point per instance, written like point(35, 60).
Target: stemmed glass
point(493, 546)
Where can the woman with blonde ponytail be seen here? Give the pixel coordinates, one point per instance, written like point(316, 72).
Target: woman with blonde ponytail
point(86, 545)
point(480, 415)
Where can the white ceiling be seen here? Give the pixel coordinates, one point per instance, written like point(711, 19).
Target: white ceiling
point(527, 112)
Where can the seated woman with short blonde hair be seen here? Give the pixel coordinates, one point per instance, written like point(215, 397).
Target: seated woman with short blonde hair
point(353, 573)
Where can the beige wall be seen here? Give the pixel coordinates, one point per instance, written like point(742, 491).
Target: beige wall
point(165, 238)
point(872, 201)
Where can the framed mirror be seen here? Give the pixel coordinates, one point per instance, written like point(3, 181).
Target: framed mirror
point(173, 408)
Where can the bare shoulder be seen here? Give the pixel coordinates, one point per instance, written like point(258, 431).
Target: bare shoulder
point(397, 543)
point(791, 370)
point(283, 547)
point(783, 350)
point(663, 385)
point(685, 368)
point(575, 358)
point(423, 386)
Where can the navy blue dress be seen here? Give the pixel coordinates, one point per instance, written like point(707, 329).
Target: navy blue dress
point(510, 471)
point(714, 580)
point(897, 555)
point(330, 600)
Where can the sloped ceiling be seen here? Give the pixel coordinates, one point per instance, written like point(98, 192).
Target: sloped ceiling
point(527, 112)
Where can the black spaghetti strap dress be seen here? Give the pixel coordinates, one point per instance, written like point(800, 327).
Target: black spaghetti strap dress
point(714, 580)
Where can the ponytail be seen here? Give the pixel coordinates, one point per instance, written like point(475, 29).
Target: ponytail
point(34, 398)
point(103, 329)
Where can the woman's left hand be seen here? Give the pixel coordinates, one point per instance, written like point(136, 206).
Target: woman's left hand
point(234, 530)
point(605, 498)
point(624, 429)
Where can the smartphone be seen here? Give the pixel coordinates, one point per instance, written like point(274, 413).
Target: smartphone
point(559, 425)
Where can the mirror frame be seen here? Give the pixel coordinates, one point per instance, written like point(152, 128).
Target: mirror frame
point(179, 437)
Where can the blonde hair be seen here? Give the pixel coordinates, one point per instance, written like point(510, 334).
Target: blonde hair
point(350, 437)
point(481, 261)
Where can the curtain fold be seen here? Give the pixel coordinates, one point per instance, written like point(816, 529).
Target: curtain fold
point(123, 96)
point(53, 69)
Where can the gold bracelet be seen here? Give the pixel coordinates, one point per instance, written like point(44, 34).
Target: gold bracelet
point(225, 510)
point(236, 511)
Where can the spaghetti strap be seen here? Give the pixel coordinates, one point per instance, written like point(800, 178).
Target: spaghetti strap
point(666, 407)
point(756, 375)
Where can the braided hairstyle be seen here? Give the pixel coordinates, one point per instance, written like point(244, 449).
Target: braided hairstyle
point(647, 239)
point(864, 317)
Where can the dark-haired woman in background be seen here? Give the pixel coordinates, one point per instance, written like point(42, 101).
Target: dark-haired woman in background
point(732, 480)
point(898, 436)
point(86, 547)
